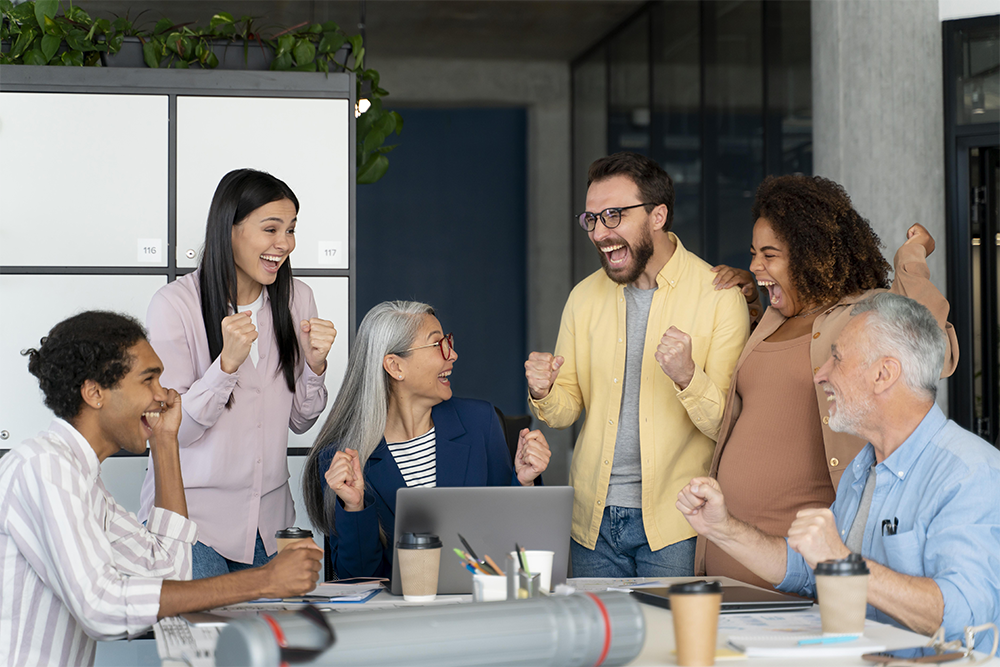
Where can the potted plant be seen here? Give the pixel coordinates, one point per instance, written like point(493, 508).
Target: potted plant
point(37, 34)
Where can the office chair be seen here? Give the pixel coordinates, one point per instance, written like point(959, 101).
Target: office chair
point(511, 427)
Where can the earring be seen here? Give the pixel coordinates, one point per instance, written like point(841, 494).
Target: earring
point(98, 405)
point(400, 377)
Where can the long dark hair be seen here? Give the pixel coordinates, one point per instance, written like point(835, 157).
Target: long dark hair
point(240, 193)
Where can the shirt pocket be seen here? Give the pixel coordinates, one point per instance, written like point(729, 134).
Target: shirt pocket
point(904, 552)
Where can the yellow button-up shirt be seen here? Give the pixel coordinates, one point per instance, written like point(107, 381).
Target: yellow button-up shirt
point(677, 429)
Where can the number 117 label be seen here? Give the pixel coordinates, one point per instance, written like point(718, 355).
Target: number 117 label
point(330, 253)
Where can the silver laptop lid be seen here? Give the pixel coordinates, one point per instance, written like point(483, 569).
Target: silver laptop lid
point(492, 519)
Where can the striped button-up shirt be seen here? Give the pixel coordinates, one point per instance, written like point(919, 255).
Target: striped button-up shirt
point(75, 566)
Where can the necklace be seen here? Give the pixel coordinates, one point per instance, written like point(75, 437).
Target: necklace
point(810, 312)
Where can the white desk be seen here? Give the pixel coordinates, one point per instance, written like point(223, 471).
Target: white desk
point(656, 651)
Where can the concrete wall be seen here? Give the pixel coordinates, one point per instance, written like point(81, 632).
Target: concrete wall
point(543, 88)
point(878, 125)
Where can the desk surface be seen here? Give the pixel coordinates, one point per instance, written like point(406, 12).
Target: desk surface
point(656, 651)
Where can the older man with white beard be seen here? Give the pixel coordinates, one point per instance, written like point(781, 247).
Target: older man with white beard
point(921, 501)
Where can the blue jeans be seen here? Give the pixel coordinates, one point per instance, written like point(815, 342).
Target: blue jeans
point(207, 562)
point(623, 551)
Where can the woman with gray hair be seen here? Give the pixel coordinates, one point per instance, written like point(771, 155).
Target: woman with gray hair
point(395, 424)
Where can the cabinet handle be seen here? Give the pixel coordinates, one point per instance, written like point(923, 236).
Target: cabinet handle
point(4, 435)
point(190, 254)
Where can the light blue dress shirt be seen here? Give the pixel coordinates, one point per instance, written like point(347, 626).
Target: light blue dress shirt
point(943, 485)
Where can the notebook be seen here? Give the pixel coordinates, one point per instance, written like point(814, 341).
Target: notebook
point(492, 519)
point(735, 599)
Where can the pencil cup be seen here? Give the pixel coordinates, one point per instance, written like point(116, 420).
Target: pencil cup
point(540, 563)
point(842, 590)
point(419, 557)
point(521, 584)
point(695, 608)
point(287, 536)
point(488, 588)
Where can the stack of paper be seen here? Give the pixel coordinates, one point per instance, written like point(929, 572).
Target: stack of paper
point(782, 644)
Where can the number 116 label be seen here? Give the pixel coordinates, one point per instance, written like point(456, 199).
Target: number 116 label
point(150, 250)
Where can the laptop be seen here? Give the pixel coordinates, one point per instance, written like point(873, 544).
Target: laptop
point(735, 599)
point(492, 519)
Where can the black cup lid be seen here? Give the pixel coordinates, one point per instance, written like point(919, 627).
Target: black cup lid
point(419, 541)
point(293, 533)
point(696, 588)
point(852, 565)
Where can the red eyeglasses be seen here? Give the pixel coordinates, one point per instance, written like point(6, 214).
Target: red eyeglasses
point(447, 344)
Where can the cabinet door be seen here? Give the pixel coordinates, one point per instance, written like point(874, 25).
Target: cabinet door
point(304, 142)
point(36, 303)
point(332, 303)
point(83, 179)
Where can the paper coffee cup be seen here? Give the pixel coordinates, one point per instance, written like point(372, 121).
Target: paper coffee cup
point(695, 608)
point(419, 557)
point(540, 563)
point(842, 592)
point(287, 536)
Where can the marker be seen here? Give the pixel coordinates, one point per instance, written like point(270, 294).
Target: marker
point(836, 639)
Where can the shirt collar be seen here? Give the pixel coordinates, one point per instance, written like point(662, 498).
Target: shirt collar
point(79, 446)
point(672, 270)
point(903, 459)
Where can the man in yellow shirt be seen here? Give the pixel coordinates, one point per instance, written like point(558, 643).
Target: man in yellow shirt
point(646, 347)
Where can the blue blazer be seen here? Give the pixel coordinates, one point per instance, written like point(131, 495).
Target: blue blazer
point(470, 451)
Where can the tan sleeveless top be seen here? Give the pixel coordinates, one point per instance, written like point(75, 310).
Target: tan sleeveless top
point(774, 463)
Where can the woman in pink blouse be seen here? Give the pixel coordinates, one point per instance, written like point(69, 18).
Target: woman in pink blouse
point(241, 341)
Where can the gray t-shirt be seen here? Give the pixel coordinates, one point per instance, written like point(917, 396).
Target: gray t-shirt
point(626, 470)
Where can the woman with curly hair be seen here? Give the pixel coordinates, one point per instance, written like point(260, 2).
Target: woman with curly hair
point(816, 257)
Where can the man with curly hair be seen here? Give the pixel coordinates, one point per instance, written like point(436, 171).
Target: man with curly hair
point(75, 566)
point(646, 348)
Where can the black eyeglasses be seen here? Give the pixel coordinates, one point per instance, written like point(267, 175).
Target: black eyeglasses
point(447, 344)
point(611, 217)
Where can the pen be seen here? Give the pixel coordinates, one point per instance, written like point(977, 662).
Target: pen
point(470, 568)
point(521, 557)
point(836, 639)
point(467, 547)
point(889, 527)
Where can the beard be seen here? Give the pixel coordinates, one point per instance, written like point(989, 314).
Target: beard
point(851, 415)
point(639, 256)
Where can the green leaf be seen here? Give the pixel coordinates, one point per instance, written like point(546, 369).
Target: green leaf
point(399, 122)
point(77, 40)
point(285, 45)
point(329, 26)
point(23, 42)
point(308, 67)
point(24, 13)
point(50, 44)
point(221, 18)
point(73, 58)
point(35, 57)
point(282, 63)
point(386, 124)
point(373, 169)
point(212, 61)
point(45, 9)
point(324, 65)
point(373, 140)
point(6, 6)
point(150, 55)
point(359, 58)
point(331, 42)
point(304, 52)
point(162, 26)
point(355, 41)
point(385, 149)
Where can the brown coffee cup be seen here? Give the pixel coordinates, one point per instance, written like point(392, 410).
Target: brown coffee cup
point(695, 608)
point(287, 536)
point(842, 592)
point(419, 557)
